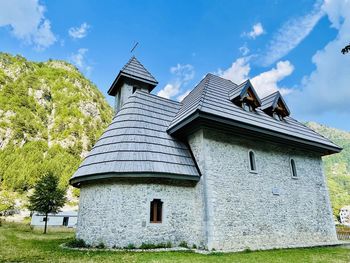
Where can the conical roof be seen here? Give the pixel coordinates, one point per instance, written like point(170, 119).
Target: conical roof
point(136, 144)
point(136, 71)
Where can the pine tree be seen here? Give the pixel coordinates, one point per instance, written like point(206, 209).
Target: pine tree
point(47, 197)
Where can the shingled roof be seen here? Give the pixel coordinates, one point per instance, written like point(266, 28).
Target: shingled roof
point(240, 91)
point(210, 101)
point(136, 144)
point(271, 102)
point(136, 71)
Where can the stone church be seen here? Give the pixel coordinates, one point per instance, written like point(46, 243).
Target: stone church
point(222, 169)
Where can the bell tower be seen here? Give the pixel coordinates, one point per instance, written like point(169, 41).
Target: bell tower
point(131, 77)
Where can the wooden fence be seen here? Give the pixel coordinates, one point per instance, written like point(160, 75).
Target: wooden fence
point(343, 233)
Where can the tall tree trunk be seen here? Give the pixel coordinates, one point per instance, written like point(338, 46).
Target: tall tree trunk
point(46, 215)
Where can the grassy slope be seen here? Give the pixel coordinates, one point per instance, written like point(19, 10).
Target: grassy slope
point(18, 243)
point(337, 166)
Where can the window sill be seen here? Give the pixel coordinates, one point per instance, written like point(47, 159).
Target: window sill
point(295, 177)
point(155, 222)
point(253, 171)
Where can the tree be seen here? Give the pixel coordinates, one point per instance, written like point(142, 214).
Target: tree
point(346, 49)
point(47, 197)
point(7, 202)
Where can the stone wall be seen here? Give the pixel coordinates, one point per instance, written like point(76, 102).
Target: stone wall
point(118, 213)
point(262, 210)
point(230, 208)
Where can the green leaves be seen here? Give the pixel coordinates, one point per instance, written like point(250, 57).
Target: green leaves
point(7, 201)
point(47, 196)
point(40, 104)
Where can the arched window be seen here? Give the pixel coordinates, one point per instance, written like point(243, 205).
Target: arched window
point(156, 211)
point(293, 168)
point(252, 164)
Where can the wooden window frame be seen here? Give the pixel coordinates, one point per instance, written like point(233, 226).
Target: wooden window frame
point(156, 211)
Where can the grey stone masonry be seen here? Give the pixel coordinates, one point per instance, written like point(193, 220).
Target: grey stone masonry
point(118, 213)
point(263, 209)
point(231, 208)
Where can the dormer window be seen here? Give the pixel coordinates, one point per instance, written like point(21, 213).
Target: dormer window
point(247, 107)
point(276, 116)
point(244, 96)
point(275, 106)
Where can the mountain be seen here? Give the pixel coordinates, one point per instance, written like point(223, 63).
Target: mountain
point(50, 116)
point(336, 166)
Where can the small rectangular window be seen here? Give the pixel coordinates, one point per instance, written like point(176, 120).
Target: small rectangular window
point(294, 169)
point(156, 211)
point(252, 164)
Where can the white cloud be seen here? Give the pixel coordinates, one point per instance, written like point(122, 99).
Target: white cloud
point(27, 22)
point(257, 30)
point(238, 72)
point(184, 72)
point(326, 89)
point(244, 50)
point(291, 34)
point(169, 91)
point(182, 75)
point(264, 83)
point(79, 32)
point(183, 95)
point(79, 59)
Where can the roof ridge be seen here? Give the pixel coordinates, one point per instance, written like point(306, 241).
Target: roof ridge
point(200, 104)
point(223, 78)
point(194, 89)
point(270, 95)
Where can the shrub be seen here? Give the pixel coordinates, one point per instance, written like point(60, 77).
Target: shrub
point(194, 246)
point(154, 246)
point(247, 250)
point(130, 246)
point(77, 243)
point(168, 244)
point(101, 245)
point(183, 244)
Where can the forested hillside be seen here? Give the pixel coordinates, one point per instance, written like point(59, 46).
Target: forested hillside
point(337, 166)
point(50, 116)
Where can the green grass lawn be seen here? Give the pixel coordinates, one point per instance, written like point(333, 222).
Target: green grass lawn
point(18, 243)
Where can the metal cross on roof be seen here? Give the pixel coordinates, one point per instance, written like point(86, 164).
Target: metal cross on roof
point(132, 50)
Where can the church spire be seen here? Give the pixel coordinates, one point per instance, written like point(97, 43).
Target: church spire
point(131, 77)
point(135, 74)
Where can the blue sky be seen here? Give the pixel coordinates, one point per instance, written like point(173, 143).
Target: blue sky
point(291, 46)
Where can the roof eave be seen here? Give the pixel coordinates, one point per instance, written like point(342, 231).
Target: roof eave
point(114, 87)
point(76, 181)
point(176, 127)
point(325, 149)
